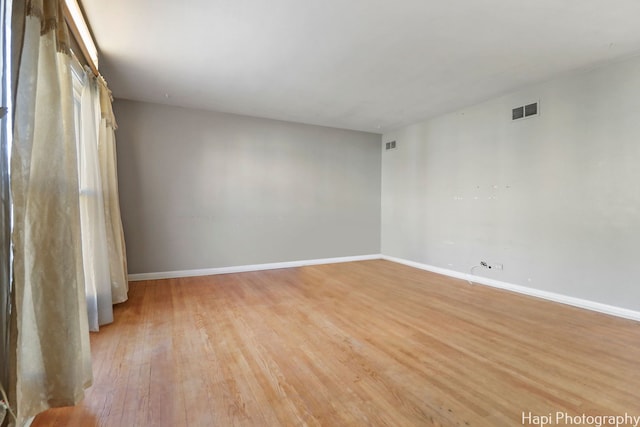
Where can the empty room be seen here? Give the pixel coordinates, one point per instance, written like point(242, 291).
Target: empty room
point(336, 213)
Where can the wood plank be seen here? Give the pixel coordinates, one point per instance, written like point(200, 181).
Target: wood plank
point(363, 343)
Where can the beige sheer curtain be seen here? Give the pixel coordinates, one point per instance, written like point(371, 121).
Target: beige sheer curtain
point(103, 247)
point(51, 362)
point(108, 171)
point(95, 251)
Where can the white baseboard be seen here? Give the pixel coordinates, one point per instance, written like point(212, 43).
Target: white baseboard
point(551, 296)
point(246, 268)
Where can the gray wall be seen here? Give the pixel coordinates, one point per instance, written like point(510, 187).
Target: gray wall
point(206, 190)
point(555, 198)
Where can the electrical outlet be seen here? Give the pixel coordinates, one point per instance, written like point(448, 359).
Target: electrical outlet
point(485, 264)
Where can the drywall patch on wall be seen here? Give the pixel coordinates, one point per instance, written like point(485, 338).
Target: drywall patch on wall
point(554, 199)
point(204, 190)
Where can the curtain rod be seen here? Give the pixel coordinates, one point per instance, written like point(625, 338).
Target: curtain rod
point(80, 29)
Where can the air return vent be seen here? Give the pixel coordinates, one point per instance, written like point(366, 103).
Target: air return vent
point(517, 113)
point(531, 109)
point(525, 111)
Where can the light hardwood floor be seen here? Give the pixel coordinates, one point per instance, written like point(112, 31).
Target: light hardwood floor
point(354, 344)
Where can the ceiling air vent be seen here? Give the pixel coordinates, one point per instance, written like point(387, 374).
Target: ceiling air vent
point(525, 111)
point(390, 145)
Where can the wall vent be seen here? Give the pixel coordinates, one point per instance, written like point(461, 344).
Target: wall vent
point(390, 145)
point(525, 111)
point(517, 113)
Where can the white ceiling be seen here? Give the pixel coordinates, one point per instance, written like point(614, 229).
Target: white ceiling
point(370, 65)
